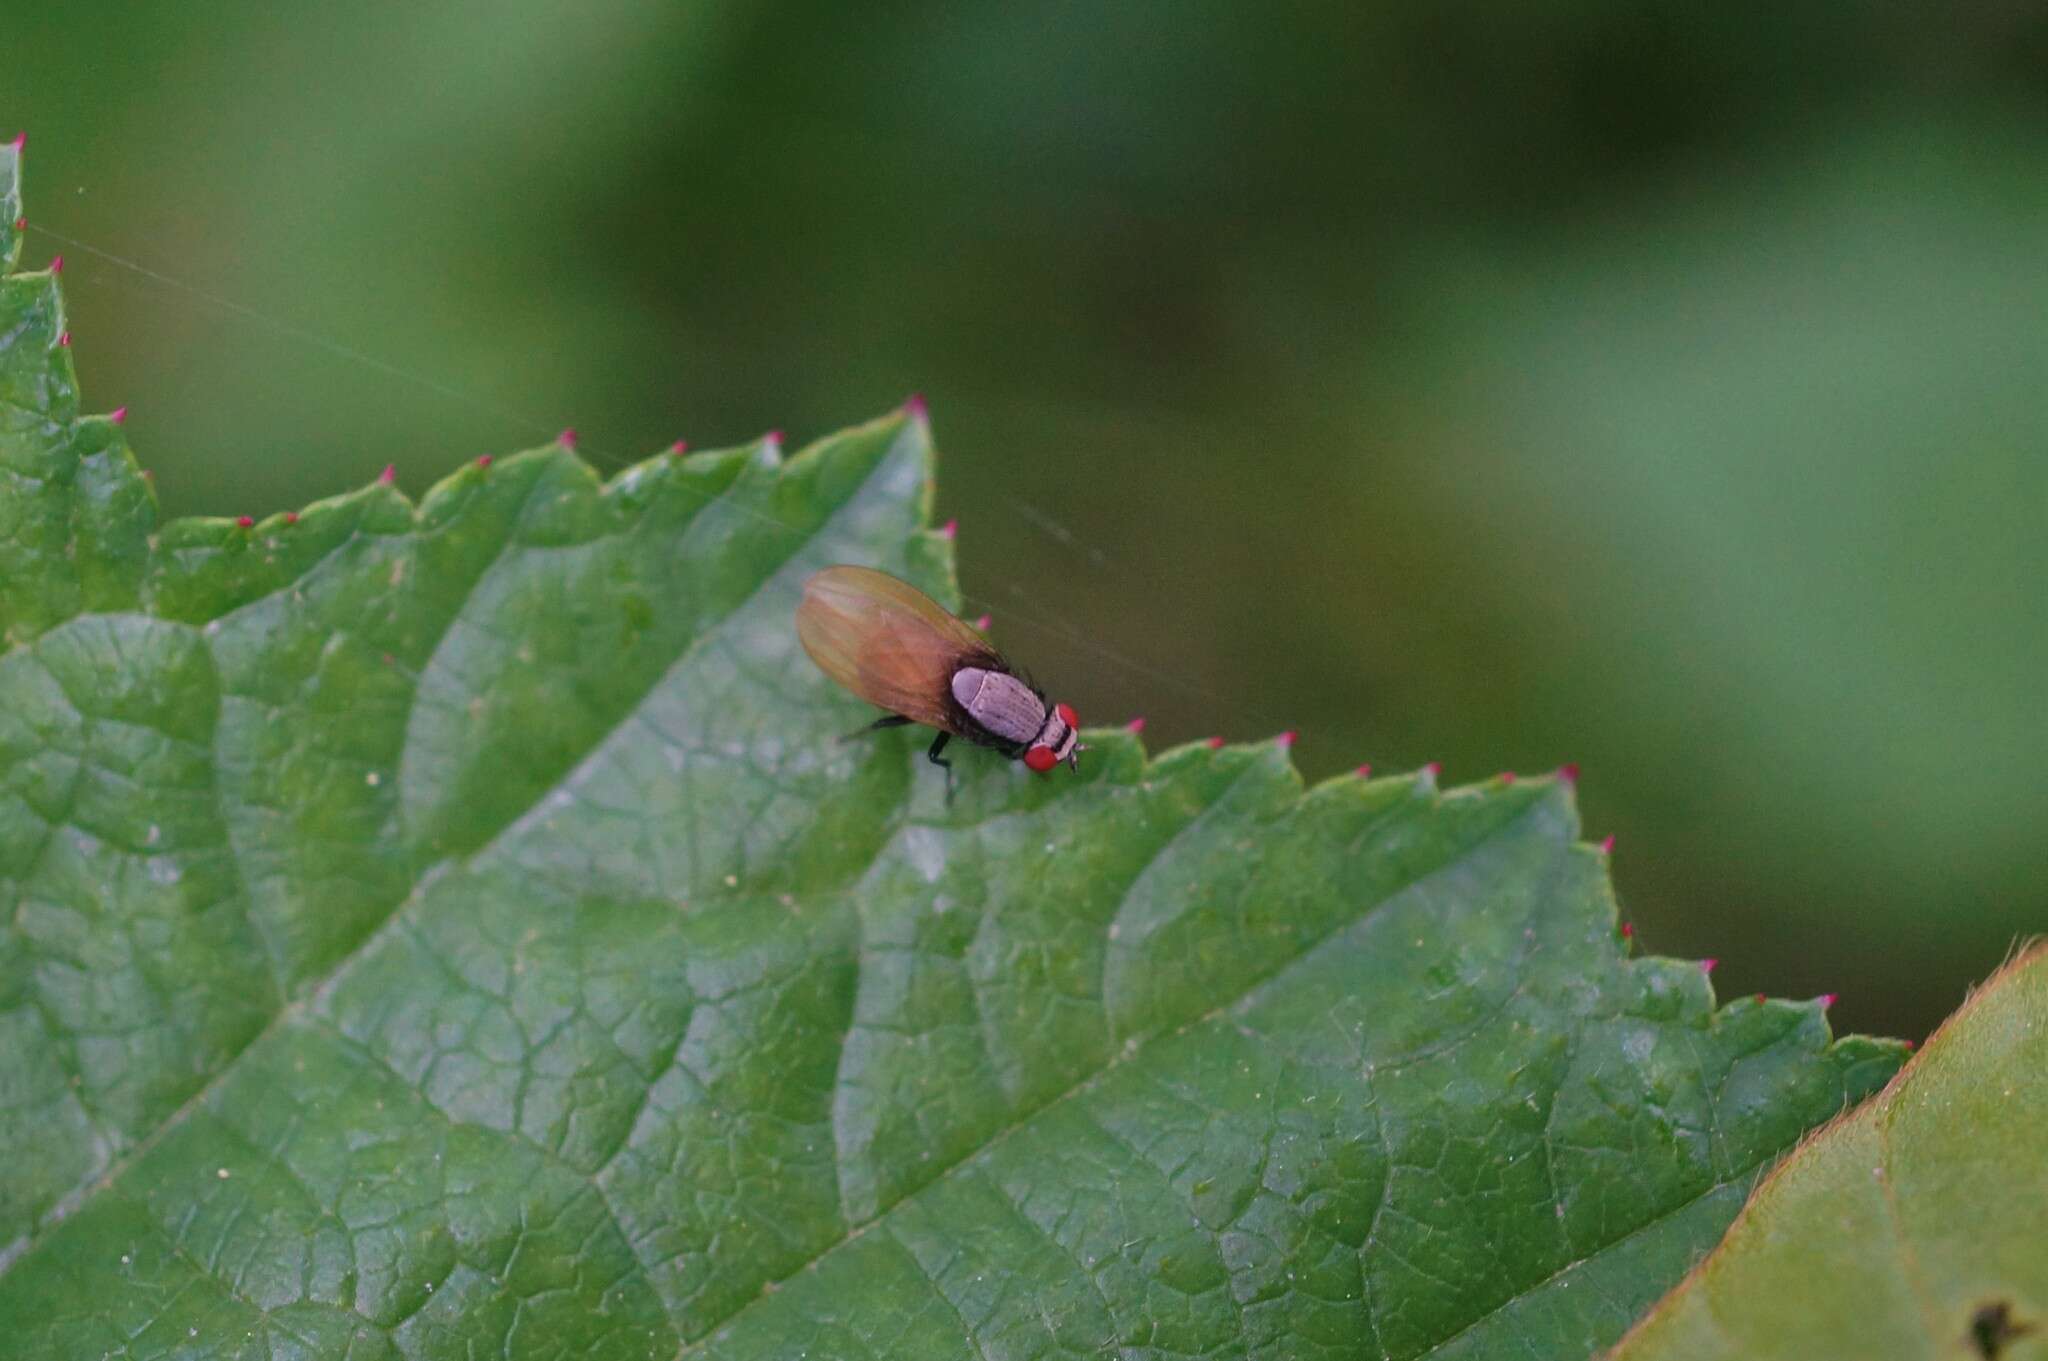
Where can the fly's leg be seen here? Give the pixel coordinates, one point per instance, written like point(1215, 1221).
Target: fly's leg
point(885, 721)
point(932, 754)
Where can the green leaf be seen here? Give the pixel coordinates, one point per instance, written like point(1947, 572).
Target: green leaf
point(1911, 1228)
point(453, 930)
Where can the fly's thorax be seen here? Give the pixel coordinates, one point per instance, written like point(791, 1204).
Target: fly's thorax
point(1001, 703)
point(1058, 734)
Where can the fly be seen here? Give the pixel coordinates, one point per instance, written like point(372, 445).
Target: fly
point(900, 650)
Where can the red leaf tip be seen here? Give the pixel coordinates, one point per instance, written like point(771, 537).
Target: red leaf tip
point(64, 340)
point(1827, 1000)
point(1215, 743)
point(679, 448)
point(1507, 777)
point(567, 439)
point(291, 517)
point(1287, 739)
point(1707, 964)
point(20, 141)
point(1759, 999)
point(21, 224)
point(118, 415)
point(483, 460)
point(983, 622)
point(1364, 771)
point(1628, 928)
point(774, 438)
point(388, 476)
point(245, 521)
point(56, 264)
point(1135, 725)
point(949, 529)
point(1569, 772)
point(1607, 845)
point(1433, 769)
point(915, 408)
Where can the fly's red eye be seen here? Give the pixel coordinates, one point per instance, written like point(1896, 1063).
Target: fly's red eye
point(1041, 759)
point(1066, 715)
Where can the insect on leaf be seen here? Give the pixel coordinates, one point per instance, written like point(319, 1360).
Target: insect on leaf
point(449, 930)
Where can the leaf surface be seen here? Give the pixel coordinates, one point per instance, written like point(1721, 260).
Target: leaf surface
point(452, 930)
point(1913, 1227)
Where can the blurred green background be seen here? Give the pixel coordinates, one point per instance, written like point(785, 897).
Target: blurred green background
point(1658, 386)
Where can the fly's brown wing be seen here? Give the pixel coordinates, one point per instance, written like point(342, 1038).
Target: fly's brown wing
point(888, 642)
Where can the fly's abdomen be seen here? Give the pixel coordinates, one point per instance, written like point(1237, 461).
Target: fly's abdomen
point(1004, 705)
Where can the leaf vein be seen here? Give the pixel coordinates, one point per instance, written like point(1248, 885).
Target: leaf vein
point(1115, 1062)
point(342, 966)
